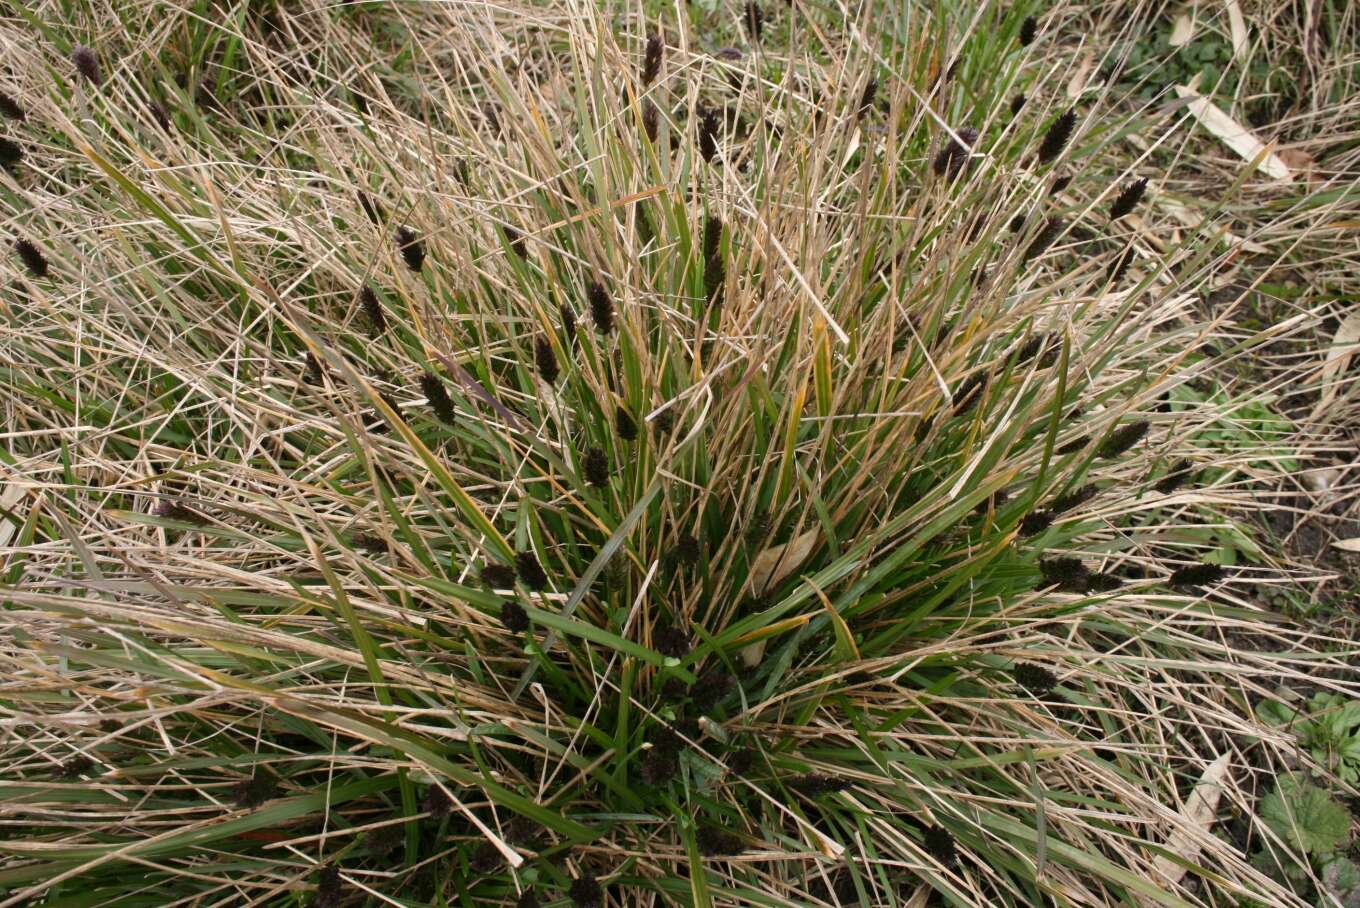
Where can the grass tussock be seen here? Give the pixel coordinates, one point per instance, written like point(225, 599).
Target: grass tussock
point(819, 565)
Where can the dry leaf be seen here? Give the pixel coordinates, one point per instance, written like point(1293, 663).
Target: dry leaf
point(1077, 84)
point(752, 654)
point(9, 498)
point(778, 562)
point(920, 897)
point(1233, 134)
point(1238, 26)
point(1338, 357)
point(1301, 162)
point(1196, 817)
point(1183, 29)
point(1197, 222)
point(1347, 545)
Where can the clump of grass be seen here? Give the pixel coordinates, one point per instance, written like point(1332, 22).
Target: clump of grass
point(817, 609)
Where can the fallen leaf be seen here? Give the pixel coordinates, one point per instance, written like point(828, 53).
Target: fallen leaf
point(1077, 84)
point(1233, 134)
point(1198, 222)
point(751, 655)
point(920, 897)
point(1301, 162)
point(778, 562)
point(1183, 29)
point(1339, 355)
point(1195, 819)
point(1347, 545)
point(1238, 26)
point(9, 498)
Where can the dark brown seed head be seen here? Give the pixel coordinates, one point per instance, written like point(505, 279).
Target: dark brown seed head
point(713, 230)
point(1067, 574)
point(866, 100)
point(179, 512)
point(484, 858)
point(514, 617)
point(251, 793)
point(438, 397)
point(709, 126)
point(969, 393)
point(624, 424)
point(715, 268)
point(715, 843)
point(585, 892)
point(664, 423)
point(1103, 583)
point(1075, 444)
point(87, 64)
point(530, 572)
point(371, 208)
point(1075, 498)
point(159, 114)
point(651, 60)
point(498, 576)
point(1128, 199)
point(384, 840)
point(601, 308)
point(1123, 438)
point(1120, 265)
point(953, 157)
point(1055, 140)
point(1036, 679)
point(10, 108)
point(755, 20)
point(515, 240)
point(568, 316)
point(740, 761)
point(673, 642)
point(687, 550)
point(1179, 474)
point(10, 154)
point(33, 260)
point(815, 783)
point(1016, 104)
point(1196, 575)
point(659, 766)
point(75, 767)
point(711, 687)
point(1060, 183)
point(436, 803)
point(650, 119)
point(1031, 348)
point(1035, 522)
point(1028, 30)
point(373, 311)
point(412, 249)
point(329, 889)
point(596, 467)
point(313, 371)
point(545, 359)
point(939, 844)
point(1047, 234)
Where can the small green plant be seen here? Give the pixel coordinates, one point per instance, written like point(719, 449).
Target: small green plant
point(1315, 827)
point(1329, 729)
